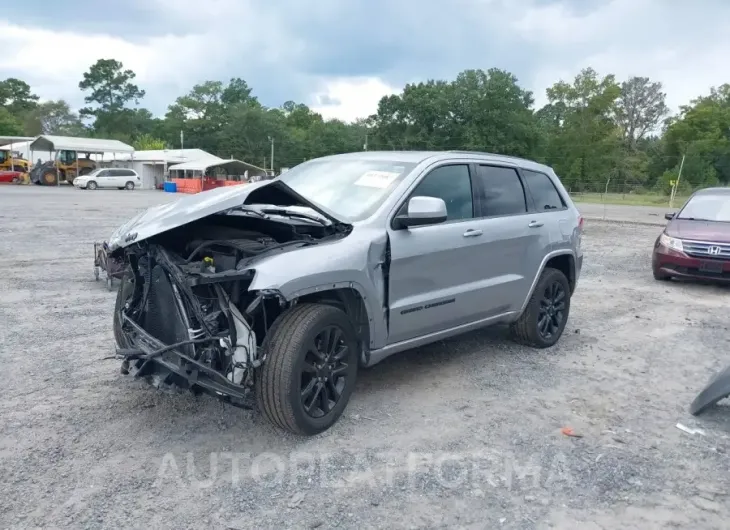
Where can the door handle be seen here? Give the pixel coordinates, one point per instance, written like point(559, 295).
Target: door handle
point(535, 224)
point(472, 233)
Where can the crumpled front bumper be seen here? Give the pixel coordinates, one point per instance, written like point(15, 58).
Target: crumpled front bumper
point(172, 368)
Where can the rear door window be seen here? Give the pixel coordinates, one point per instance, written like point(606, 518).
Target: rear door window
point(500, 191)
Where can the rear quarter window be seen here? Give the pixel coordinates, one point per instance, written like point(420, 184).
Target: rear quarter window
point(543, 191)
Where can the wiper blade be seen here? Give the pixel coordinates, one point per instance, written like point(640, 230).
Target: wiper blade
point(289, 213)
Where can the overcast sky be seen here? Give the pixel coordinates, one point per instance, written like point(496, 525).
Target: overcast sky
point(341, 56)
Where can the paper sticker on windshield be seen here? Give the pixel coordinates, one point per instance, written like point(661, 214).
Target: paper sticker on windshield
point(377, 179)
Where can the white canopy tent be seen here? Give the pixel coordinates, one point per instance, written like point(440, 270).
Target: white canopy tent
point(97, 146)
point(85, 145)
point(231, 167)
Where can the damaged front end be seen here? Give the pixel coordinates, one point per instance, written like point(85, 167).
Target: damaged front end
point(185, 317)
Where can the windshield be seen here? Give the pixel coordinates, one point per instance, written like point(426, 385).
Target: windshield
point(349, 188)
point(95, 172)
point(707, 208)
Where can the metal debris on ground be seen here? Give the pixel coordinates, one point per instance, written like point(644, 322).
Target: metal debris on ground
point(689, 430)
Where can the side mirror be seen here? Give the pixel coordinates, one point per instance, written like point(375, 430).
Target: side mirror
point(423, 211)
point(669, 216)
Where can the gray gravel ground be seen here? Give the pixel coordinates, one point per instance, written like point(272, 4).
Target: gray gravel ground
point(631, 214)
point(461, 434)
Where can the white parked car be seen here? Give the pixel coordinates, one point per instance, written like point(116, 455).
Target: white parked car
point(119, 178)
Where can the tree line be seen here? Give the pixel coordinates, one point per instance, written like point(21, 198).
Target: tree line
point(599, 133)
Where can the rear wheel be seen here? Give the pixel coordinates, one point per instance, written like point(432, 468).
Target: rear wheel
point(544, 319)
point(91, 185)
point(129, 185)
point(310, 369)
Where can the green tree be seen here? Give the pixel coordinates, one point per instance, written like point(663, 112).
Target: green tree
point(110, 87)
point(54, 117)
point(479, 110)
point(9, 125)
point(16, 96)
point(581, 139)
point(640, 108)
point(147, 142)
point(701, 133)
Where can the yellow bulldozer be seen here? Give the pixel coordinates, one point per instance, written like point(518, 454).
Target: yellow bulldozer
point(65, 167)
point(13, 161)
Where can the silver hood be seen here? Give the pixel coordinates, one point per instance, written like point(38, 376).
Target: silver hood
point(159, 219)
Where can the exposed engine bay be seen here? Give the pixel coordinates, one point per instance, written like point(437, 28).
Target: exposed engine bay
point(185, 316)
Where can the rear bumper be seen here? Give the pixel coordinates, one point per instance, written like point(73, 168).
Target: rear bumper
point(174, 369)
point(678, 264)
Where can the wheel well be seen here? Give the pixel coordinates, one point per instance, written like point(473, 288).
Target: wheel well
point(349, 301)
point(565, 263)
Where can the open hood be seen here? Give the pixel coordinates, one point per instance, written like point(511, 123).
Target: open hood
point(159, 219)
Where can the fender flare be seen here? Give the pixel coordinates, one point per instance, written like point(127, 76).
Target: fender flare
point(717, 389)
point(376, 321)
point(543, 264)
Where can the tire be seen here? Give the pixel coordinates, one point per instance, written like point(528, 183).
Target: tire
point(50, 178)
point(91, 185)
point(527, 328)
point(660, 277)
point(129, 185)
point(280, 381)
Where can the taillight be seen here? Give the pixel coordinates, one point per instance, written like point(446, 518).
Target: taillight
point(580, 223)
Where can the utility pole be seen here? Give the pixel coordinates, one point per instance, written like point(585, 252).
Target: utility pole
point(271, 138)
point(182, 144)
point(676, 183)
point(365, 147)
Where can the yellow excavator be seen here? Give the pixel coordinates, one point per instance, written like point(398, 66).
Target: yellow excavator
point(66, 166)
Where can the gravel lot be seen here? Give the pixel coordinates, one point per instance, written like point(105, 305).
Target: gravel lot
point(652, 215)
point(462, 434)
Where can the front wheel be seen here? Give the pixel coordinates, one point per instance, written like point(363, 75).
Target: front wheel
point(129, 185)
point(310, 367)
point(659, 276)
point(546, 314)
point(91, 185)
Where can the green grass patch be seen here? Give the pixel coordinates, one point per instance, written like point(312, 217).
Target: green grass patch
point(629, 199)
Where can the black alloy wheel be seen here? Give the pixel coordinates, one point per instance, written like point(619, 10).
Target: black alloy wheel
point(311, 357)
point(543, 320)
point(324, 372)
point(552, 310)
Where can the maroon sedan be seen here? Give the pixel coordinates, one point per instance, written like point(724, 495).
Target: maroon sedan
point(696, 241)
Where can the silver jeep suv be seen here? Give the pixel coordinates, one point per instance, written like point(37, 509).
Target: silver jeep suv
point(283, 289)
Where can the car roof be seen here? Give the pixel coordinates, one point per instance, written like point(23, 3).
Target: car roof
point(713, 191)
point(416, 157)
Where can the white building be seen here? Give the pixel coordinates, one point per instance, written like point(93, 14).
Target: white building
point(152, 165)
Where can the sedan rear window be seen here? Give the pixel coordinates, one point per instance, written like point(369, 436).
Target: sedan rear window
point(707, 208)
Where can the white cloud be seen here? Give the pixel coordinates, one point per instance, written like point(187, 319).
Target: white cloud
point(348, 99)
point(54, 62)
point(681, 44)
point(685, 46)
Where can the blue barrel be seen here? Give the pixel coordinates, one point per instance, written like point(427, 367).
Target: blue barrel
point(170, 187)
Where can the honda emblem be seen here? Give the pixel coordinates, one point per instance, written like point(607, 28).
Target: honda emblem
point(714, 250)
